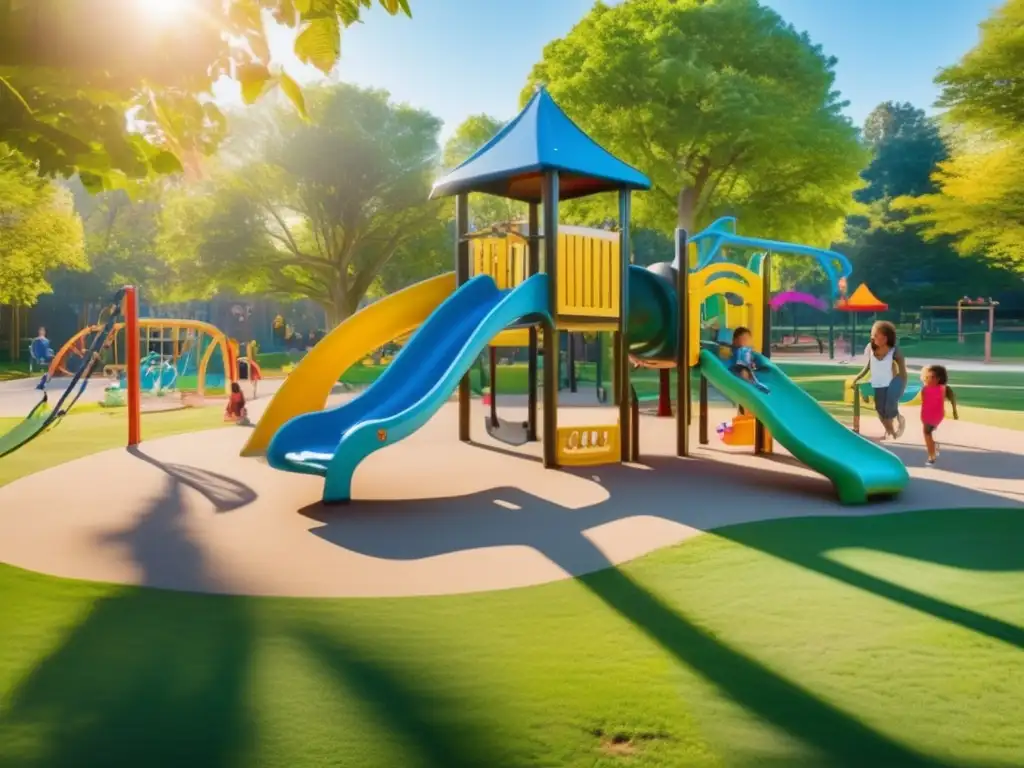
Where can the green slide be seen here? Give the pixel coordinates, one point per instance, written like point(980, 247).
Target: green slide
point(858, 468)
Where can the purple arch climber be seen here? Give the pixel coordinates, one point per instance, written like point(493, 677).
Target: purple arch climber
point(800, 297)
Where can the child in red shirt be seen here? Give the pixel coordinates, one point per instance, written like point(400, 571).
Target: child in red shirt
point(934, 395)
point(236, 410)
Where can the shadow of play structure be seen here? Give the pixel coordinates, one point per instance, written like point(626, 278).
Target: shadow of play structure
point(522, 288)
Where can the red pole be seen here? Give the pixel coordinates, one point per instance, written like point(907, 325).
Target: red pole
point(133, 363)
point(664, 392)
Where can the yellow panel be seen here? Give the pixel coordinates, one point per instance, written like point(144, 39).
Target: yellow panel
point(586, 326)
point(738, 280)
point(516, 337)
point(502, 258)
point(588, 446)
point(589, 275)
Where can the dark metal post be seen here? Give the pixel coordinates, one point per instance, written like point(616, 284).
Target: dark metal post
point(599, 366)
point(532, 268)
point(493, 375)
point(634, 441)
point(760, 441)
point(683, 407)
point(664, 392)
point(831, 334)
point(616, 369)
point(571, 361)
point(461, 277)
point(625, 248)
point(703, 424)
point(550, 201)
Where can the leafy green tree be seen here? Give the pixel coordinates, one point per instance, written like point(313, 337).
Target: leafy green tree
point(121, 232)
point(985, 89)
point(979, 202)
point(39, 232)
point(907, 146)
point(905, 267)
point(331, 203)
point(726, 108)
point(65, 92)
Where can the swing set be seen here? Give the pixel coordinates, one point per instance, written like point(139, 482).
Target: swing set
point(186, 355)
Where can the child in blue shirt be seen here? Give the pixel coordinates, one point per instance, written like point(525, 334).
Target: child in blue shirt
point(743, 362)
point(41, 353)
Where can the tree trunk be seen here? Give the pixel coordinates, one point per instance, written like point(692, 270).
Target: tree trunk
point(335, 316)
point(686, 209)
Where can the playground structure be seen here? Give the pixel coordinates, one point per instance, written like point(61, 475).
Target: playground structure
point(929, 324)
point(43, 417)
point(174, 350)
point(500, 294)
point(798, 342)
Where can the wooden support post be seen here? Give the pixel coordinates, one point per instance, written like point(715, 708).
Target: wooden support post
point(703, 424)
point(462, 277)
point(133, 364)
point(760, 441)
point(683, 406)
point(532, 268)
point(625, 399)
point(550, 202)
point(856, 409)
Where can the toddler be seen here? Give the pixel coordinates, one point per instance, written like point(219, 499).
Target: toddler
point(934, 395)
point(743, 363)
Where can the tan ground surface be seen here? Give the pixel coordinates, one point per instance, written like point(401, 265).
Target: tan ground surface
point(434, 516)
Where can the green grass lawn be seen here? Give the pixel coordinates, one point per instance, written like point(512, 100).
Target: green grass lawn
point(89, 429)
point(1004, 350)
point(892, 641)
point(12, 371)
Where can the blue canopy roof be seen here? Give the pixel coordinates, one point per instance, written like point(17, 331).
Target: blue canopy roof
point(541, 138)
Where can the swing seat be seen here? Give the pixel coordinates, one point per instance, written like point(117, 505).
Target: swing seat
point(509, 432)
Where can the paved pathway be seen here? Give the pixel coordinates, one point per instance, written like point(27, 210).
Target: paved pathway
point(435, 516)
point(17, 398)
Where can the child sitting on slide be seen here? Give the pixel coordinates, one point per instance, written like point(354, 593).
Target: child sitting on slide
point(742, 362)
point(236, 410)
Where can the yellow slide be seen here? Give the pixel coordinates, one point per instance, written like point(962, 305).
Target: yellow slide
point(307, 387)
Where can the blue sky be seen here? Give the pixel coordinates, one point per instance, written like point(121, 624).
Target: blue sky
point(462, 57)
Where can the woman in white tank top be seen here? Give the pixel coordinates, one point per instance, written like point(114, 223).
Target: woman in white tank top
point(888, 370)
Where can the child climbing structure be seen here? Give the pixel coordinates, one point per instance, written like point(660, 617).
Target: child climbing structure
point(549, 282)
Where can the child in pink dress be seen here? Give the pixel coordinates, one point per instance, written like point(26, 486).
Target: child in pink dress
point(934, 395)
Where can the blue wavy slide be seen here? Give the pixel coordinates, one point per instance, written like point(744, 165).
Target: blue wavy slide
point(420, 379)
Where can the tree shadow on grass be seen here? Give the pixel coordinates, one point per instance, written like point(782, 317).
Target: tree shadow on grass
point(977, 540)
point(510, 516)
point(148, 678)
point(440, 733)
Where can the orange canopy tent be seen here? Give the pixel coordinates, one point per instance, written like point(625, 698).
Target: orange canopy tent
point(861, 300)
